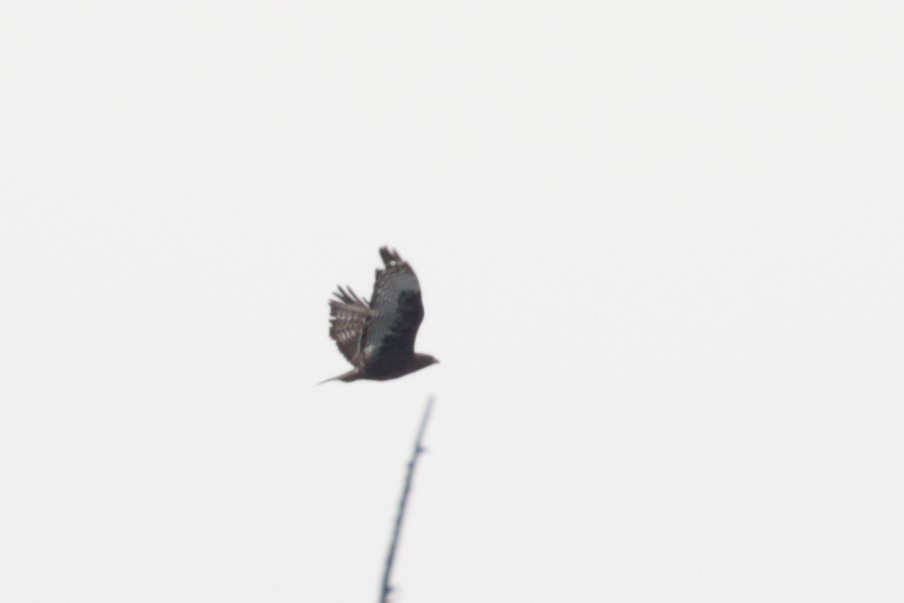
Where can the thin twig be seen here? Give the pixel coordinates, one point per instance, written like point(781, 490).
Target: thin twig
point(386, 587)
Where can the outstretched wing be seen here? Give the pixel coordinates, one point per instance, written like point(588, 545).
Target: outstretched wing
point(349, 318)
point(397, 311)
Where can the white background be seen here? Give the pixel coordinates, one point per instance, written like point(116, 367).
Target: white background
point(660, 245)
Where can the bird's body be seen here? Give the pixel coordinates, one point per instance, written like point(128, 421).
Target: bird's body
point(377, 337)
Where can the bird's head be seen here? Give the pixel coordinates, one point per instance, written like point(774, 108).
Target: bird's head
point(423, 360)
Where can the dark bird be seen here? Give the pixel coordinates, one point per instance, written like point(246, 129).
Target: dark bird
point(377, 337)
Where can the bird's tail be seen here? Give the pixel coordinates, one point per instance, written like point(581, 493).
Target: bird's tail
point(349, 376)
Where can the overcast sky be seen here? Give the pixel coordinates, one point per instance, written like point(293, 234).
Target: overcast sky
point(660, 247)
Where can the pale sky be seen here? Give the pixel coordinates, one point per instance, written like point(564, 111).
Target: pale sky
point(660, 247)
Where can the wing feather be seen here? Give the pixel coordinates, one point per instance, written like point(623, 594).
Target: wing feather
point(349, 317)
point(397, 310)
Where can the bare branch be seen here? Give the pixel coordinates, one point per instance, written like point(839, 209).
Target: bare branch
point(386, 588)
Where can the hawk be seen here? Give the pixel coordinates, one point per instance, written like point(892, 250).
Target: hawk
point(377, 336)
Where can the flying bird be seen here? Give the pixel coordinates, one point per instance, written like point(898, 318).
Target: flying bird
point(377, 336)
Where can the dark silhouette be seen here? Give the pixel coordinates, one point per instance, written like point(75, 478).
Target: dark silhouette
point(377, 337)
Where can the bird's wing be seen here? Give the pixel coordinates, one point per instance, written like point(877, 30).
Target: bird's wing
point(397, 309)
point(349, 318)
